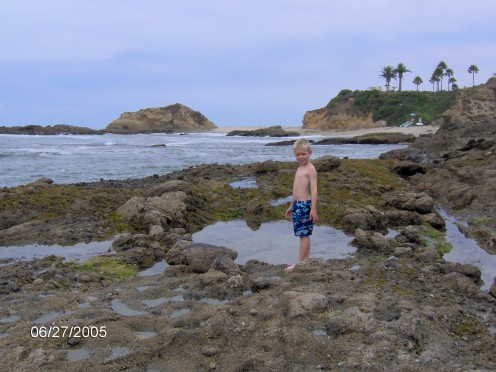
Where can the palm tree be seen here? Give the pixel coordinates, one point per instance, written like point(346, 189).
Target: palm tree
point(449, 73)
point(452, 81)
point(473, 69)
point(437, 76)
point(417, 81)
point(400, 70)
point(441, 67)
point(434, 79)
point(388, 73)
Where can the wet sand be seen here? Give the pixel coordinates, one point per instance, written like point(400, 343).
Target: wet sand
point(415, 130)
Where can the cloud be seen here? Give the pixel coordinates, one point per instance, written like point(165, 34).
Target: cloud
point(276, 59)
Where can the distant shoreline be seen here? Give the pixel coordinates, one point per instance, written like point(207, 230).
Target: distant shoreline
point(414, 130)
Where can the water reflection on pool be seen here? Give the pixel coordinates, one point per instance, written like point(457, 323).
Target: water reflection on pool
point(76, 252)
point(274, 242)
point(467, 251)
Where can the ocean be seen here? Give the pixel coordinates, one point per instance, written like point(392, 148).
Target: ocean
point(86, 158)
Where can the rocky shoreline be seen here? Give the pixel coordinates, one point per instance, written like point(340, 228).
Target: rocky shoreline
point(395, 304)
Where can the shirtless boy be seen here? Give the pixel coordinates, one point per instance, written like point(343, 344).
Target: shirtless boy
point(303, 208)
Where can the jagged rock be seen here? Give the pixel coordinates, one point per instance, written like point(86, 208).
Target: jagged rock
point(416, 202)
point(267, 166)
point(459, 282)
point(403, 251)
point(428, 255)
point(471, 271)
point(397, 218)
point(408, 169)
point(372, 241)
point(434, 219)
point(411, 234)
point(366, 218)
point(409, 155)
point(259, 284)
point(168, 210)
point(198, 256)
point(226, 265)
point(326, 163)
point(169, 186)
point(173, 118)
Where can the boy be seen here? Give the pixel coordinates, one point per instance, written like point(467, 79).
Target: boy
point(303, 208)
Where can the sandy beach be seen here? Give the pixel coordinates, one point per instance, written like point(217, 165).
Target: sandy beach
point(415, 130)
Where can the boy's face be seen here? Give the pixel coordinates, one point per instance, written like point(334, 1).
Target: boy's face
point(302, 155)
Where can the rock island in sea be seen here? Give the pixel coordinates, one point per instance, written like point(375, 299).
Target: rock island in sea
point(395, 303)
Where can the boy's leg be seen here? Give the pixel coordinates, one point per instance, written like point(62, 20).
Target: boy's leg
point(304, 253)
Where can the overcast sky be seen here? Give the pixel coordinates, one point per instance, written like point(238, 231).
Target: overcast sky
point(254, 62)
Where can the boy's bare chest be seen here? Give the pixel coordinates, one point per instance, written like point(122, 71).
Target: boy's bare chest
point(301, 175)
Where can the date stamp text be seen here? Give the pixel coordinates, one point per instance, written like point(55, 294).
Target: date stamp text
point(68, 331)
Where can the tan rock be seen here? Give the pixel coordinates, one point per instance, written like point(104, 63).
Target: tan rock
point(169, 119)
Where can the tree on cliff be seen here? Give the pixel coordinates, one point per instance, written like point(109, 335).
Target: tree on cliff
point(400, 70)
point(434, 79)
point(449, 73)
point(452, 81)
point(388, 73)
point(440, 72)
point(473, 69)
point(417, 81)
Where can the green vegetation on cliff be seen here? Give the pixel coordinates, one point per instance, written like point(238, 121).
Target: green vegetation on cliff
point(394, 107)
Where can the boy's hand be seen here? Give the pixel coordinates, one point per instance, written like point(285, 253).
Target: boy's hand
point(289, 212)
point(313, 215)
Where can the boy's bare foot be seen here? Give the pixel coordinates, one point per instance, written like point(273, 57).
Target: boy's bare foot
point(289, 268)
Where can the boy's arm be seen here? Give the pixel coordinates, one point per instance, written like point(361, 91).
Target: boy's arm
point(289, 211)
point(314, 193)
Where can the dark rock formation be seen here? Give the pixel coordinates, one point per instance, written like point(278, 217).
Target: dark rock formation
point(274, 131)
point(364, 139)
point(370, 139)
point(48, 130)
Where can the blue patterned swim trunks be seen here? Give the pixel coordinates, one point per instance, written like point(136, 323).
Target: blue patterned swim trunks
point(302, 224)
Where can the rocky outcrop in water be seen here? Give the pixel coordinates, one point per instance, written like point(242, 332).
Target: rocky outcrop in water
point(169, 119)
point(48, 130)
point(274, 131)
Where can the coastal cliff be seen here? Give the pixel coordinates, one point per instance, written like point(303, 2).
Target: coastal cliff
point(325, 119)
point(169, 119)
point(374, 108)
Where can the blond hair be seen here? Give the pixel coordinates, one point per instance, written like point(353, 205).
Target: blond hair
point(303, 144)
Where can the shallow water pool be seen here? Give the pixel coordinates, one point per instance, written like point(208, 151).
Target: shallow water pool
point(467, 251)
point(274, 242)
